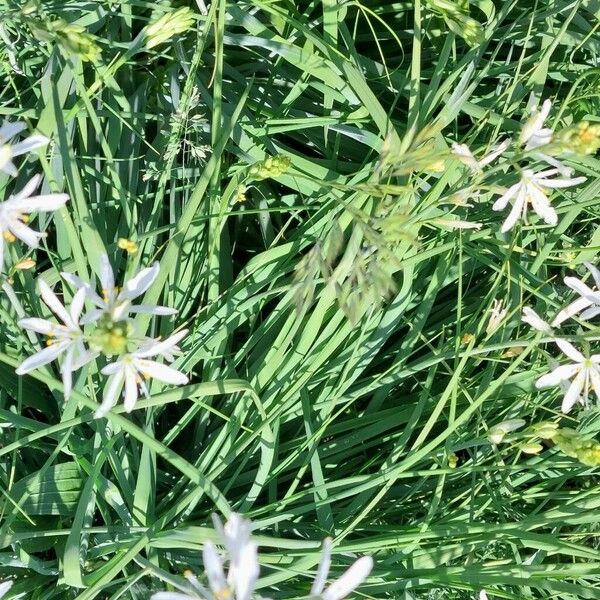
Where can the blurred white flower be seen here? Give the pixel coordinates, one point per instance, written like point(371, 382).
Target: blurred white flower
point(464, 154)
point(589, 301)
point(4, 587)
point(533, 133)
point(586, 372)
point(346, 584)
point(133, 369)
point(531, 190)
point(9, 151)
point(483, 595)
point(241, 554)
point(117, 303)
point(63, 339)
point(534, 320)
point(497, 315)
point(497, 432)
point(14, 214)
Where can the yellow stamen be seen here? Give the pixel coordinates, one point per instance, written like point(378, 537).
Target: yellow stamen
point(9, 237)
point(128, 245)
point(26, 263)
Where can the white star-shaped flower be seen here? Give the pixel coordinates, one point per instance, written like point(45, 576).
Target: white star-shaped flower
point(585, 373)
point(531, 190)
point(345, 584)
point(134, 368)
point(9, 151)
point(14, 214)
point(588, 302)
point(241, 554)
point(534, 136)
point(118, 303)
point(64, 339)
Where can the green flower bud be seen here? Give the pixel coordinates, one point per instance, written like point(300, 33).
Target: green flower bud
point(545, 429)
point(581, 138)
point(274, 166)
point(531, 448)
point(573, 444)
point(168, 26)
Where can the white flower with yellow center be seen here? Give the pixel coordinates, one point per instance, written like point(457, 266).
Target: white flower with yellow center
point(531, 191)
point(64, 339)
point(133, 369)
point(14, 214)
point(117, 303)
point(585, 372)
point(8, 151)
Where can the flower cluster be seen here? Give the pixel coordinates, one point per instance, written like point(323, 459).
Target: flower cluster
point(78, 335)
point(582, 376)
point(536, 144)
point(110, 331)
point(238, 581)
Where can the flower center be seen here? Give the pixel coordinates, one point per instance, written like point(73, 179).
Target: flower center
point(111, 337)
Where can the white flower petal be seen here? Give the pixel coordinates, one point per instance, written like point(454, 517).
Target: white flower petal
point(560, 183)
point(570, 350)
point(323, 570)
point(590, 313)
point(246, 571)
point(55, 304)
point(164, 373)
point(137, 285)
point(156, 347)
point(4, 587)
point(594, 272)
point(534, 320)
point(571, 310)
point(594, 376)
point(43, 203)
point(556, 376)
point(111, 394)
point(41, 358)
point(574, 392)
point(541, 205)
point(131, 390)
point(510, 193)
point(77, 305)
point(350, 580)
point(29, 144)
point(66, 370)
point(107, 278)
point(25, 234)
point(516, 211)
point(495, 153)
point(26, 191)
point(213, 568)
point(152, 309)
point(38, 325)
point(582, 289)
point(8, 130)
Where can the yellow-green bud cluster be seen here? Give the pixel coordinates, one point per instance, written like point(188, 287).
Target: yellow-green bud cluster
point(274, 166)
point(581, 138)
point(111, 337)
point(168, 26)
point(575, 445)
point(72, 38)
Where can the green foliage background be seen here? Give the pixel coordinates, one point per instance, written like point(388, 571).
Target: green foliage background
point(316, 408)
